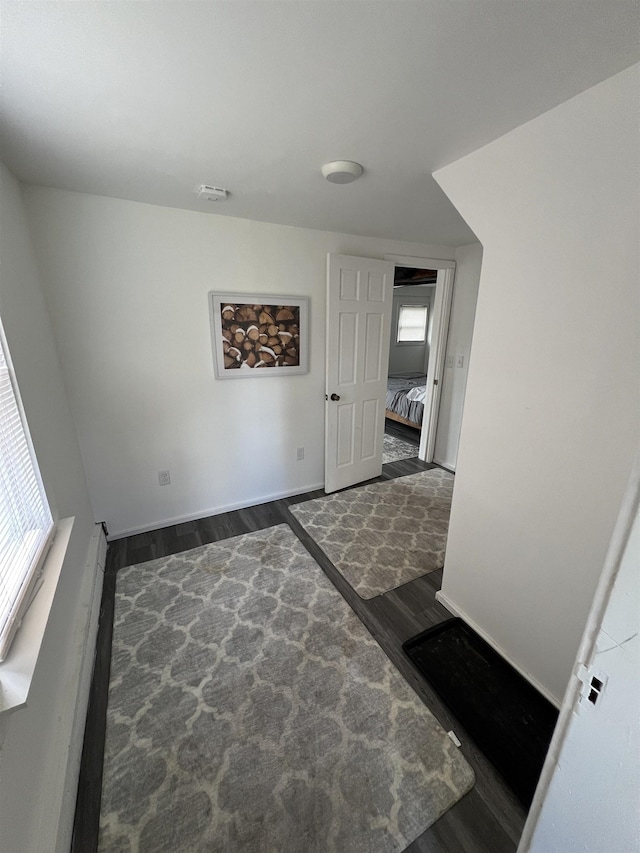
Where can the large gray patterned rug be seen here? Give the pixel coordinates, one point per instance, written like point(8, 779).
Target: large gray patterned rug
point(383, 535)
point(250, 710)
point(394, 449)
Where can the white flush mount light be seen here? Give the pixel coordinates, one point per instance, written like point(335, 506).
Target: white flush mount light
point(209, 193)
point(342, 171)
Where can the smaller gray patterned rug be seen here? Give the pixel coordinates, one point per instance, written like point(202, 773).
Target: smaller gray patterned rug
point(250, 711)
point(394, 449)
point(383, 535)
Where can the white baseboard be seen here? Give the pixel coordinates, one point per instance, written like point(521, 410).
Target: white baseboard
point(444, 464)
point(218, 510)
point(458, 611)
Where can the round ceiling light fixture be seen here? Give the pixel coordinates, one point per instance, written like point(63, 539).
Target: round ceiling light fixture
point(342, 171)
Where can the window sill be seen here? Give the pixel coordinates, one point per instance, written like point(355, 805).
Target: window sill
point(16, 671)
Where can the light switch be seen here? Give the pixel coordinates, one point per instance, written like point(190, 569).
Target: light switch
point(460, 361)
point(449, 361)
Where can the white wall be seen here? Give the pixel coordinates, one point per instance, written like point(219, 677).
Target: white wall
point(38, 756)
point(127, 287)
point(463, 312)
point(411, 358)
point(551, 411)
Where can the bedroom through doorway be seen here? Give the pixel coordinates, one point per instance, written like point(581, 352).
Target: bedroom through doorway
point(414, 280)
point(409, 351)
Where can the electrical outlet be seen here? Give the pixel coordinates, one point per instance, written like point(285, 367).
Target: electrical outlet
point(300, 453)
point(164, 478)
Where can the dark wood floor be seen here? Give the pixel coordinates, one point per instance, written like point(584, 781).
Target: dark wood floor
point(488, 820)
point(402, 431)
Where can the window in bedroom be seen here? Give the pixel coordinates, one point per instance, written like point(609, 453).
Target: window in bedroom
point(412, 324)
point(26, 525)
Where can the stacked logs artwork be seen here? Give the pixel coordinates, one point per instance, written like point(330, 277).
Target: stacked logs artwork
point(260, 335)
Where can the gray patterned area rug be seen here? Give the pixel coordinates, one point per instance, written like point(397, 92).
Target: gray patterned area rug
point(383, 535)
point(394, 449)
point(250, 710)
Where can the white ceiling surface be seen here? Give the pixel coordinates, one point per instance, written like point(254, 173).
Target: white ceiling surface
point(147, 100)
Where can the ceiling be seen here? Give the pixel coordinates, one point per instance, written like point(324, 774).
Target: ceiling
point(148, 100)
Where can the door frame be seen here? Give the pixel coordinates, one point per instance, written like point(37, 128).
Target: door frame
point(437, 352)
point(584, 664)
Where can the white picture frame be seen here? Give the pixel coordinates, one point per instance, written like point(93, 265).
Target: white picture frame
point(256, 335)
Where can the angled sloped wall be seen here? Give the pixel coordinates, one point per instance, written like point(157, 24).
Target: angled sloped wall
point(551, 412)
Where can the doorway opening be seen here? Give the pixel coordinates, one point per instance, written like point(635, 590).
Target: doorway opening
point(435, 277)
point(410, 334)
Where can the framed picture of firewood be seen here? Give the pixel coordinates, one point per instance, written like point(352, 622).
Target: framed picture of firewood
point(258, 335)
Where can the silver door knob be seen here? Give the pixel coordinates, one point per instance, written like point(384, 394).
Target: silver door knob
point(335, 397)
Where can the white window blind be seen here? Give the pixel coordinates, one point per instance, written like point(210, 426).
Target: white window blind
point(412, 324)
point(26, 525)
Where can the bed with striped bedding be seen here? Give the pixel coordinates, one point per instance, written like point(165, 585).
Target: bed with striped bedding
point(405, 398)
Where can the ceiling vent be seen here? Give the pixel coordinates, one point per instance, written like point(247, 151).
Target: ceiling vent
point(207, 193)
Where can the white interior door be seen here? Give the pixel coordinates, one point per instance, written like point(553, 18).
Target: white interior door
point(359, 301)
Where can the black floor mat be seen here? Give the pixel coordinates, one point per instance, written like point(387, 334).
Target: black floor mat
point(509, 720)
